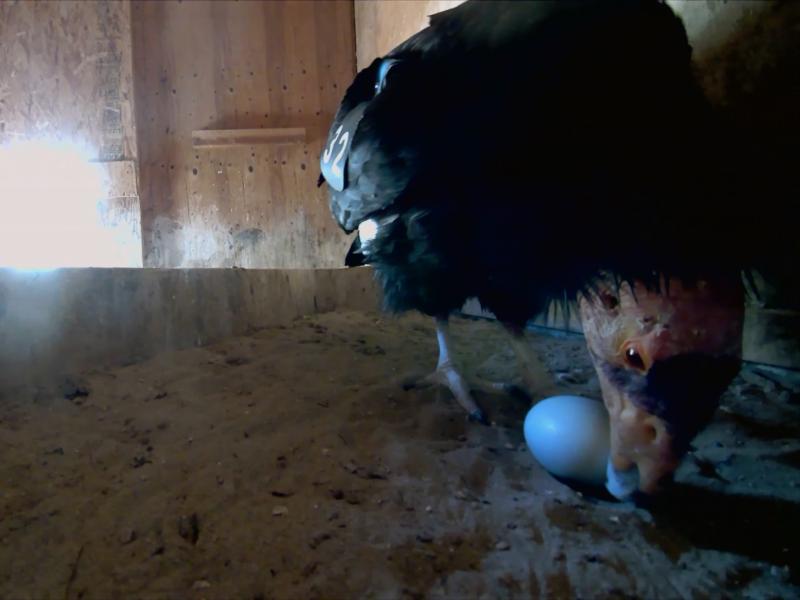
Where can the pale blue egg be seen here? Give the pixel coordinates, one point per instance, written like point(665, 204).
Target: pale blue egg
point(569, 437)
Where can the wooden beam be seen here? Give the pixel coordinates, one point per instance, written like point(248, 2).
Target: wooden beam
point(211, 138)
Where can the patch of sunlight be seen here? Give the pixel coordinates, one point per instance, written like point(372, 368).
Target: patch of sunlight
point(50, 212)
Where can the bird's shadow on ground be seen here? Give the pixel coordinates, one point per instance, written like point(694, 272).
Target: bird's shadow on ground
point(762, 430)
point(764, 529)
point(506, 408)
point(509, 407)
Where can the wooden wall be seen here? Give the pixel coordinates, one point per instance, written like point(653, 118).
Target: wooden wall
point(66, 75)
point(380, 26)
point(233, 65)
point(59, 325)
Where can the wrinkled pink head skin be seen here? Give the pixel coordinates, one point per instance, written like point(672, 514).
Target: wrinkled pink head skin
point(628, 333)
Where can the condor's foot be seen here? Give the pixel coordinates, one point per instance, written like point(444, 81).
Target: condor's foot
point(447, 375)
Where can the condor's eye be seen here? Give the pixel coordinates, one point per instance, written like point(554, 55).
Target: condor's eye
point(633, 359)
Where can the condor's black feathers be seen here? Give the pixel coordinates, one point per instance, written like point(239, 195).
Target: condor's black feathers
point(517, 150)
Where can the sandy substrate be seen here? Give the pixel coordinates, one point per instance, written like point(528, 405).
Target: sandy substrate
point(291, 464)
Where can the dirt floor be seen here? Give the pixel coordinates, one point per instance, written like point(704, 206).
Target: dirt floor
point(291, 464)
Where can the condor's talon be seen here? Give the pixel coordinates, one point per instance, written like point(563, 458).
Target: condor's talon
point(447, 375)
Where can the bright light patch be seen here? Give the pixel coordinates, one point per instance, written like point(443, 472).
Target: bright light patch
point(367, 230)
point(49, 218)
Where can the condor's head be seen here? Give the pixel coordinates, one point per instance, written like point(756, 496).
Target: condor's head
point(663, 357)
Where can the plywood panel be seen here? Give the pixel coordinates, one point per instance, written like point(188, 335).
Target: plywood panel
point(67, 74)
point(260, 65)
point(67, 77)
point(63, 322)
point(380, 26)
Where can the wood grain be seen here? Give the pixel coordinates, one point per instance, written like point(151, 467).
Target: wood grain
point(67, 78)
point(380, 26)
point(212, 138)
point(238, 65)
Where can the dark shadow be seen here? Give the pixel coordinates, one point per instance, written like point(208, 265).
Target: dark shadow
point(761, 430)
point(592, 493)
point(506, 408)
point(791, 459)
point(764, 529)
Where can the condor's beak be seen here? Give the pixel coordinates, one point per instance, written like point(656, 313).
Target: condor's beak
point(642, 453)
point(651, 427)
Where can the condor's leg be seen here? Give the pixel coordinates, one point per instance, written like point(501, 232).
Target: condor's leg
point(448, 375)
point(536, 379)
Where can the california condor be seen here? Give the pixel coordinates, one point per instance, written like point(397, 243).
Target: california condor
point(522, 153)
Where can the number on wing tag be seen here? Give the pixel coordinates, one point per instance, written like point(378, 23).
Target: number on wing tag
point(333, 161)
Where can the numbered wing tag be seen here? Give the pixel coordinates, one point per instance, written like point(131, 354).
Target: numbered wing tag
point(333, 161)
